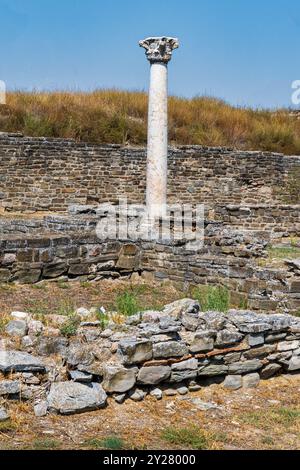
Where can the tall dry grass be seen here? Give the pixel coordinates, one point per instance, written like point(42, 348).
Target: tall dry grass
point(114, 116)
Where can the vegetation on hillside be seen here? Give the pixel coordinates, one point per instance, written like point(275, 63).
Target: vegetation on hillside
point(113, 116)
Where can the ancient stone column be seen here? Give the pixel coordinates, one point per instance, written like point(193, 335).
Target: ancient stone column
point(159, 52)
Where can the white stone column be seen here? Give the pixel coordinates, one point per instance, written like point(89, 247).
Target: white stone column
point(159, 53)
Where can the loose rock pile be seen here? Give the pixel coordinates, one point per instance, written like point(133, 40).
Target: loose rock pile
point(174, 351)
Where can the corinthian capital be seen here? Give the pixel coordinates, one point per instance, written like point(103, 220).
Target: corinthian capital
point(159, 49)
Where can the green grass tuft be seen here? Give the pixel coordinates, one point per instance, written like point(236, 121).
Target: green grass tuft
point(70, 327)
point(212, 298)
point(45, 444)
point(110, 443)
point(63, 285)
point(113, 443)
point(103, 318)
point(191, 437)
point(7, 426)
point(127, 303)
point(286, 417)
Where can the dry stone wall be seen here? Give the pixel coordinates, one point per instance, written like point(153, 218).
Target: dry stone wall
point(175, 351)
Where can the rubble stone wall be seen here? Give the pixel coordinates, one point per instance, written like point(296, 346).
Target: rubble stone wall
point(175, 351)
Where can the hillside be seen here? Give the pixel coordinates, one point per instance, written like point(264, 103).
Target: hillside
point(113, 116)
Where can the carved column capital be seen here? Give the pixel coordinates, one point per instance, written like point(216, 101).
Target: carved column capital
point(159, 49)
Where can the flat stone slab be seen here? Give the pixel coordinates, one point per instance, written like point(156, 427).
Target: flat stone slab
point(20, 362)
point(72, 397)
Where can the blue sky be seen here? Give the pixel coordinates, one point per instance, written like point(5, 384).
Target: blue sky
point(244, 51)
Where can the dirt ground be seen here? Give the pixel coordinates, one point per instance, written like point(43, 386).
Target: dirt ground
point(267, 417)
point(59, 297)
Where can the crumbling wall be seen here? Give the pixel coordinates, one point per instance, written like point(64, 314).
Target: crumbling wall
point(69, 247)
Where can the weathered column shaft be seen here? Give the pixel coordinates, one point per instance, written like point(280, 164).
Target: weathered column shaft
point(157, 151)
point(159, 53)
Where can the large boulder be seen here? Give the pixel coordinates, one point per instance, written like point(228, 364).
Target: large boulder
point(71, 397)
point(233, 382)
point(270, 370)
point(118, 379)
point(79, 353)
point(260, 352)
point(288, 345)
point(78, 376)
point(178, 376)
point(212, 320)
point(190, 321)
point(17, 361)
point(251, 380)
point(55, 269)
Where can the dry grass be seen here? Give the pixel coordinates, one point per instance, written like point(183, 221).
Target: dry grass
point(114, 116)
point(263, 418)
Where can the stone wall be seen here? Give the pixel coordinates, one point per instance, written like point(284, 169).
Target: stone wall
point(50, 174)
point(175, 351)
point(278, 219)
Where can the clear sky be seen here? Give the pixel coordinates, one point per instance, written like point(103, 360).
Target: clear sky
point(244, 51)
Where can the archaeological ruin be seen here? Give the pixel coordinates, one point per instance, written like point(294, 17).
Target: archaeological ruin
point(54, 196)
